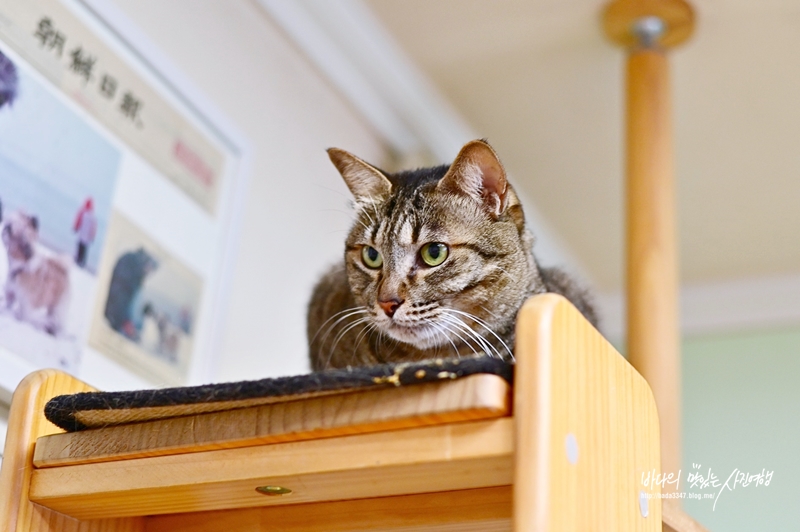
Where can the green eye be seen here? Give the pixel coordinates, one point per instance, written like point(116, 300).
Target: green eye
point(371, 257)
point(434, 253)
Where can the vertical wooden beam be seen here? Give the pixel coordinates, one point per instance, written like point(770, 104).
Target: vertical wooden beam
point(652, 269)
point(646, 28)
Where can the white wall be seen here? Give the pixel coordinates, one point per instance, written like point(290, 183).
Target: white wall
point(296, 210)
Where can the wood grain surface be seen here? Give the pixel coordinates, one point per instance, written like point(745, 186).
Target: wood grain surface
point(478, 510)
point(480, 396)
point(26, 423)
point(652, 257)
point(676, 520)
point(455, 456)
point(586, 427)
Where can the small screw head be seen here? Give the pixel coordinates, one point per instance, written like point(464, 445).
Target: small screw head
point(273, 491)
point(649, 30)
point(644, 504)
point(571, 446)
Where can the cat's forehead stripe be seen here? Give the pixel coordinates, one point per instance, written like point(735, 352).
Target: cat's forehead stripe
point(404, 232)
point(389, 208)
point(416, 228)
point(375, 228)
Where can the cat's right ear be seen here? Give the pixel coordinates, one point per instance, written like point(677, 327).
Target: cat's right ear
point(366, 182)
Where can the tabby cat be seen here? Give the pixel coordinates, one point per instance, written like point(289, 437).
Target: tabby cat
point(437, 264)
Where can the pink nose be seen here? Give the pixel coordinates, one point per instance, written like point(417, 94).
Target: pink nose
point(390, 306)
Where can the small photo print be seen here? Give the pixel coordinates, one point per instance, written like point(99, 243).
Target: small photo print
point(57, 179)
point(146, 307)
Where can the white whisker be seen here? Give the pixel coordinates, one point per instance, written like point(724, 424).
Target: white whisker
point(485, 326)
point(374, 207)
point(450, 326)
point(368, 217)
point(342, 333)
point(481, 341)
point(363, 334)
point(342, 315)
point(492, 314)
point(438, 329)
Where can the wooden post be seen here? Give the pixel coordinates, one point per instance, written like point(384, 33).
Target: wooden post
point(647, 28)
point(652, 270)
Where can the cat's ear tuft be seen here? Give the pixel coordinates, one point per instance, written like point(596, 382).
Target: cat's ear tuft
point(366, 182)
point(478, 173)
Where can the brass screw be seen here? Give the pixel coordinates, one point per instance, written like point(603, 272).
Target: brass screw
point(273, 491)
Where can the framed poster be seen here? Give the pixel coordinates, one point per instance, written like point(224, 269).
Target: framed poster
point(119, 189)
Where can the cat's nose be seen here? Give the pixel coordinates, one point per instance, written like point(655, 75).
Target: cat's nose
point(390, 306)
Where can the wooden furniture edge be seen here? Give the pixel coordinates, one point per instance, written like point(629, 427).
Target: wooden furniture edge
point(479, 510)
point(586, 427)
point(476, 510)
point(26, 423)
point(474, 397)
point(676, 520)
point(417, 460)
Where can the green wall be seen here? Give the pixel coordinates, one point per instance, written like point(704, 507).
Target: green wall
point(741, 404)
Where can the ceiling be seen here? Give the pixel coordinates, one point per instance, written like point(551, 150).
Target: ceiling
point(540, 82)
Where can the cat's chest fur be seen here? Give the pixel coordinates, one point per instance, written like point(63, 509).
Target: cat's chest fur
point(437, 264)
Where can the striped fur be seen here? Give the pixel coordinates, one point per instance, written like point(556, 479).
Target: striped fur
point(468, 304)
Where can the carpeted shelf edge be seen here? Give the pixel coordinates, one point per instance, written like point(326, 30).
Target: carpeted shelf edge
point(64, 410)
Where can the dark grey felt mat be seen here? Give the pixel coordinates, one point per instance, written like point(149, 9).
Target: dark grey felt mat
point(93, 409)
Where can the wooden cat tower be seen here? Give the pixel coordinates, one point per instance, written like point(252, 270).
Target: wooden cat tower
point(565, 449)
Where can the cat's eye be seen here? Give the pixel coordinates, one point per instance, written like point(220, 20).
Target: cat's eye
point(371, 257)
point(433, 253)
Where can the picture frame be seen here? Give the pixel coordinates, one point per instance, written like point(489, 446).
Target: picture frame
point(183, 205)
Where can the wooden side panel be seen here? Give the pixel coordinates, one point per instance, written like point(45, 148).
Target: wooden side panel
point(428, 459)
point(26, 423)
point(478, 510)
point(586, 428)
point(471, 398)
point(676, 520)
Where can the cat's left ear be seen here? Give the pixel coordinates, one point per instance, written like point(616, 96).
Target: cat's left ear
point(478, 173)
point(366, 182)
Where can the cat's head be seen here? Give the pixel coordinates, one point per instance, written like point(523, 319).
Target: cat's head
point(437, 250)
